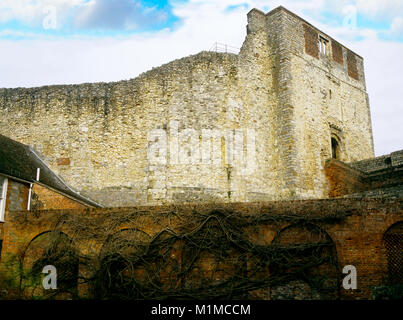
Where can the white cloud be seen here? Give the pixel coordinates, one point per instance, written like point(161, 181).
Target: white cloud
point(33, 12)
point(117, 15)
point(396, 27)
point(384, 68)
point(74, 60)
point(380, 9)
point(374, 9)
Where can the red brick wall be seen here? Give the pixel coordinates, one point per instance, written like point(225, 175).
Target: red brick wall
point(42, 199)
point(311, 41)
point(352, 65)
point(337, 51)
point(344, 180)
point(357, 238)
point(45, 199)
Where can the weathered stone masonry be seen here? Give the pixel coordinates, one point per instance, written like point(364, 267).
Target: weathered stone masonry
point(295, 98)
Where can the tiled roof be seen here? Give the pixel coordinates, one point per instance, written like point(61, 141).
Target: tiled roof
point(20, 161)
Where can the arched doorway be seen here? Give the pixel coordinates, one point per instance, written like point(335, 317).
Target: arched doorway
point(122, 267)
point(214, 266)
point(305, 265)
point(50, 248)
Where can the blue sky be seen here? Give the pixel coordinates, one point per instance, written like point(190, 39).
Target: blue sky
point(97, 18)
point(44, 42)
point(23, 19)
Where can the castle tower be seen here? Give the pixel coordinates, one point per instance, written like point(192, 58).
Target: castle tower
point(322, 107)
point(214, 126)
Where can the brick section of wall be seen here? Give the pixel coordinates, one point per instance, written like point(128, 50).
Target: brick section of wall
point(358, 238)
point(311, 41)
point(337, 52)
point(343, 179)
point(45, 199)
point(352, 65)
point(63, 161)
point(369, 178)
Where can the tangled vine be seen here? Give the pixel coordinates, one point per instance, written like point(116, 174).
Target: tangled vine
point(212, 255)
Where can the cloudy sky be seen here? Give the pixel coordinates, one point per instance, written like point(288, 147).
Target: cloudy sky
point(46, 42)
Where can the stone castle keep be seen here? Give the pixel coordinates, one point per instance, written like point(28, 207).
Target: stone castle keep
point(291, 98)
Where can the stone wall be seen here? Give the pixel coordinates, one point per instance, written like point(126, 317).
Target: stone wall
point(374, 178)
point(323, 100)
point(261, 122)
point(393, 160)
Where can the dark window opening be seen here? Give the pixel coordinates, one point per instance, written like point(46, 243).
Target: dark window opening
point(323, 46)
point(335, 149)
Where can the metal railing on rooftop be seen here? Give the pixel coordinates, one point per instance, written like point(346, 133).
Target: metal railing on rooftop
point(221, 47)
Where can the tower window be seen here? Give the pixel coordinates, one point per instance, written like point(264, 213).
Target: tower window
point(323, 46)
point(335, 149)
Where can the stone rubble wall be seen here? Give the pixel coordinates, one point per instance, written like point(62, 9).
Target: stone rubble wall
point(97, 137)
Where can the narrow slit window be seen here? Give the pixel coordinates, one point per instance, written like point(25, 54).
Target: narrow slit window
point(323, 46)
point(335, 149)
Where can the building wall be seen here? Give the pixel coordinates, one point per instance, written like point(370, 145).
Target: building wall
point(44, 199)
point(16, 200)
point(103, 129)
point(344, 180)
point(271, 99)
point(377, 177)
point(379, 164)
point(358, 237)
point(325, 96)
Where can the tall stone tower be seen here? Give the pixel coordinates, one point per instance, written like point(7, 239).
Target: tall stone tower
point(210, 127)
point(322, 107)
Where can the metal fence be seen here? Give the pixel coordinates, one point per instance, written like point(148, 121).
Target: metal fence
point(394, 250)
point(221, 47)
